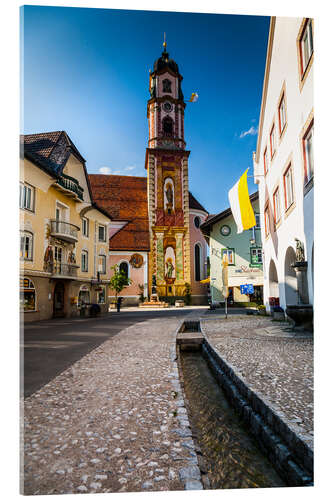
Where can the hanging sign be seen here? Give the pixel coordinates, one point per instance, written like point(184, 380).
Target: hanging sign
point(246, 289)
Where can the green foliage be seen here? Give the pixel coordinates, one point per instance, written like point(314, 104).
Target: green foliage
point(142, 297)
point(187, 295)
point(208, 267)
point(119, 280)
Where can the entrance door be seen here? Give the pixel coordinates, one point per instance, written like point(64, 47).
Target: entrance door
point(58, 301)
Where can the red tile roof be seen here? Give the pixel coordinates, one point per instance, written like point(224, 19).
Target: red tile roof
point(125, 199)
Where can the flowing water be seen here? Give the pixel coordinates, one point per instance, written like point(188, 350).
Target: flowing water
point(232, 456)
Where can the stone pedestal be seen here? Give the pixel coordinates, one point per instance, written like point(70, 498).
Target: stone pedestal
point(302, 281)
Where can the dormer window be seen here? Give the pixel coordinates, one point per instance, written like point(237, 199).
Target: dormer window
point(167, 127)
point(167, 86)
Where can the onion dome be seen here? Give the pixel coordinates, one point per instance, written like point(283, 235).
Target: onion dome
point(164, 62)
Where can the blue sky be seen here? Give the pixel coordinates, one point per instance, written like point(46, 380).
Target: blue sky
point(86, 71)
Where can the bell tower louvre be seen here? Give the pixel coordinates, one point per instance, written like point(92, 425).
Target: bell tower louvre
point(167, 187)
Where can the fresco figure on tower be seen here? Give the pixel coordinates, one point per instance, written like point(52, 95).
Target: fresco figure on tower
point(169, 267)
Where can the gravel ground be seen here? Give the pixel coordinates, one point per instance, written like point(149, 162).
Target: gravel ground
point(274, 361)
point(113, 422)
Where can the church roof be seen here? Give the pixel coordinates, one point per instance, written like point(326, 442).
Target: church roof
point(193, 203)
point(125, 199)
point(164, 62)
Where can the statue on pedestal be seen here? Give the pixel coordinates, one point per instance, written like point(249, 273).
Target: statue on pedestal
point(300, 256)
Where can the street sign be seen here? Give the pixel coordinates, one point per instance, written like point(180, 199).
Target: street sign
point(246, 289)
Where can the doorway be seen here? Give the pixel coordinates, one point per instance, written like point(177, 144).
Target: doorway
point(58, 301)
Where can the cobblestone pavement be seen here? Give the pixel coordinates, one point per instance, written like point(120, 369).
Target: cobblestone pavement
point(272, 360)
point(112, 422)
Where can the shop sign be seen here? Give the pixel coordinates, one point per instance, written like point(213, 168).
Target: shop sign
point(84, 288)
point(245, 269)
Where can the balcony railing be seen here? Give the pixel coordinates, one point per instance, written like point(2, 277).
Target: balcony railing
point(65, 270)
point(64, 230)
point(71, 184)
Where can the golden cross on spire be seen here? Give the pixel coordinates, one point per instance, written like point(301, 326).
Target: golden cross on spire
point(164, 43)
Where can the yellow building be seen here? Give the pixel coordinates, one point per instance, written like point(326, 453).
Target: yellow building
point(64, 235)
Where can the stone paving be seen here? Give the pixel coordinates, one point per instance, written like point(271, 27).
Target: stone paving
point(274, 361)
point(113, 422)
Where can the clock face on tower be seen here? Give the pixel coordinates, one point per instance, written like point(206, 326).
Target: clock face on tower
point(167, 106)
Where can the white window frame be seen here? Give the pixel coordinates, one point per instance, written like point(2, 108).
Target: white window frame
point(26, 236)
point(27, 197)
point(85, 227)
point(257, 217)
point(104, 229)
point(124, 261)
point(288, 184)
point(255, 251)
point(272, 140)
point(84, 261)
point(306, 45)
point(308, 155)
point(282, 113)
point(266, 219)
point(277, 205)
point(103, 266)
point(230, 252)
point(265, 158)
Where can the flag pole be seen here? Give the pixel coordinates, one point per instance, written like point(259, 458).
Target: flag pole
point(225, 283)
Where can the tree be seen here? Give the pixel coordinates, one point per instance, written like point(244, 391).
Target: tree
point(119, 280)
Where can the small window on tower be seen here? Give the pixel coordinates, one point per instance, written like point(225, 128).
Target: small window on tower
point(166, 86)
point(167, 127)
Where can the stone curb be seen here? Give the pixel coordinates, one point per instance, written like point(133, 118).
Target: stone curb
point(285, 447)
point(190, 476)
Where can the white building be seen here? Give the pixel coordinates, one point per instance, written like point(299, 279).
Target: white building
point(283, 162)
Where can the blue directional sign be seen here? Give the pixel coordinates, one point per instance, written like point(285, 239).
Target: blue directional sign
point(246, 289)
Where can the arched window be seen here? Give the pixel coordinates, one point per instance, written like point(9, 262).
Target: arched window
point(123, 267)
point(27, 295)
point(167, 125)
point(197, 261)
point(26, 245)
point(166, 86)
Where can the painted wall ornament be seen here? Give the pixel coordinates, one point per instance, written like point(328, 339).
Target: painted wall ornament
point(48, 259)
point(169, 268)
point(136, 260)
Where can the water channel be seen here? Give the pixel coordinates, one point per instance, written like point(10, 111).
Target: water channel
point(231, 455)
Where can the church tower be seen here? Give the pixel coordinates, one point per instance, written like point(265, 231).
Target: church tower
point(167, 167)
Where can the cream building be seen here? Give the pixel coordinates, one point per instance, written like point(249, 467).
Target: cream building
point(283, 163)
point(64, 237)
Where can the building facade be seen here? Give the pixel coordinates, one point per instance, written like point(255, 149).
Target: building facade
point(158, 218)
point(244, 253)
point(63, 235)
point(283, 163)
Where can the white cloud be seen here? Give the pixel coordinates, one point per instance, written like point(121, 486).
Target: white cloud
point(109, 171)
point(252, 131)
point(105, 170)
